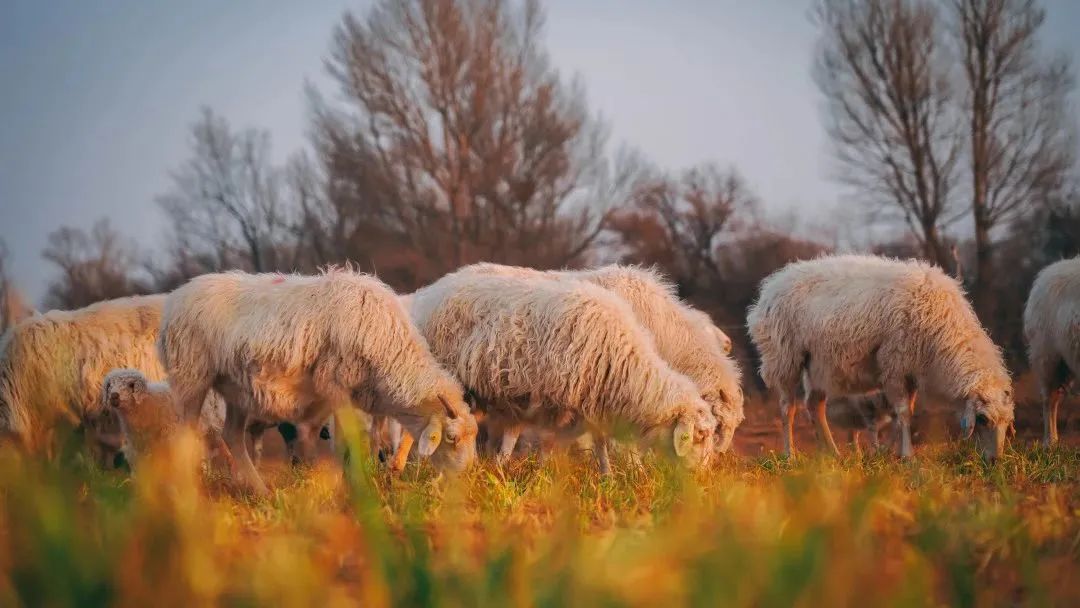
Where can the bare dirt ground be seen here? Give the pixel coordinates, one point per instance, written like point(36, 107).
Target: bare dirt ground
point(933, 423)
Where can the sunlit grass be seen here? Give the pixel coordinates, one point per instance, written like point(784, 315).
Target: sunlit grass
point(945, 529)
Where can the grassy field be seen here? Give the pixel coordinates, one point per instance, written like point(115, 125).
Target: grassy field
point(945, 529)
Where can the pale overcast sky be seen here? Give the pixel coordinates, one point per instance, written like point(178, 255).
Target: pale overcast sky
point(98, 96)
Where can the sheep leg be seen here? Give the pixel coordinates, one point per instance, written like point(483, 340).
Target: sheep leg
point(495, 429)
point(236, 430)
point(788, 409)
point(872, 438)
point(904, 408)
point(1050, 415)
point(601, 444)
point(821, 423)
point(394, 428)
point(401, 455)
point(255, 431)
point(375, 434)
point(510, 436)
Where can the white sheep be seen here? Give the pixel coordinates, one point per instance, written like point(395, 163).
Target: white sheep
point(723, 341)
point(148, 414)
point(570, 343)
point(684, 337)
point(1052, 332)
point(52, 366)
point(294, 348)
point(870, 412)
point(859, 323)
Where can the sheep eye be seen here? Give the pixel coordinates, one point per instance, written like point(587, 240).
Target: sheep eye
point(981, 420)
point(131, 385)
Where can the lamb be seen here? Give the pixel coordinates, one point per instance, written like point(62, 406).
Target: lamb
point(294, 348)
point(570, 343)
point(870, 412)
point(1052, 332)
point(52, 366)
point(147, 414)
point(857, 323)
point(684, 337)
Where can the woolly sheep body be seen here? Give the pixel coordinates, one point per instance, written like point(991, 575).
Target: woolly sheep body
point(859, 323)
point(52, 366)
point(704, 321)
point(684, 337)
point(569, 343)
point(1052, 333)
point(293, 348)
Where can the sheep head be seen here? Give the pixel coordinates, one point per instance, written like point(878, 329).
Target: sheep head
point(123, 389)
point(449, 438)
point(728, 411)
point(988, 419)
point(693, 435)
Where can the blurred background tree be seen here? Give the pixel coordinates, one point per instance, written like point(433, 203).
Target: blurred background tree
point(13, 308)
point(452, 139)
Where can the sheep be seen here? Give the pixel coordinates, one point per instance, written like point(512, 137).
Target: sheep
point(569, 343)
point(869, 412)
point(147, 414)
point(1052, 333)
point(857, 323)
point(52, 366)
point(704, 321)
point(684, 337)
point(294, 348)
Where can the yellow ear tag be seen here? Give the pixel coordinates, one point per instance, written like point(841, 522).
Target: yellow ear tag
point(433, 437)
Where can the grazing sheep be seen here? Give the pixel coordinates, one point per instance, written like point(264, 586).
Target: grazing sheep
point(870, 412)
point(571, 343)
point(684, 337)
point(723, 341)
point(148, 414)
point(294, 348)
point(859, 323)
point(52, 366)
point(1052, 332)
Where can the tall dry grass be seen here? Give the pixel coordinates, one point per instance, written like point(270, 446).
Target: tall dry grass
point(945, 529)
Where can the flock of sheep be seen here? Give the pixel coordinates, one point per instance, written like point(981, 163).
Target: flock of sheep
point(569, 354)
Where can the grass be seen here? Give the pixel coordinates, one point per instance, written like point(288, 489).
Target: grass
point(945, 529)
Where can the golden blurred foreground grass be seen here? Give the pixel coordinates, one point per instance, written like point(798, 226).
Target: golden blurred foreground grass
point(942, 530)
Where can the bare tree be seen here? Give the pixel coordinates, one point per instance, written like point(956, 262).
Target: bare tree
point(93, 266)
point(226, 205)
point(679, 223)
point(1020, 139)
point(13, 307)
point(458, 141)
point(891, 114)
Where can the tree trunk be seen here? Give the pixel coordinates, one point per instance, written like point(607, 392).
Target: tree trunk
point(933, 248)
point(982, 292)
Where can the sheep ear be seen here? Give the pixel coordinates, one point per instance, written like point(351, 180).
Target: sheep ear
point(450, 413)
point(429, 439)
point(684, 437)
point(967, 420)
